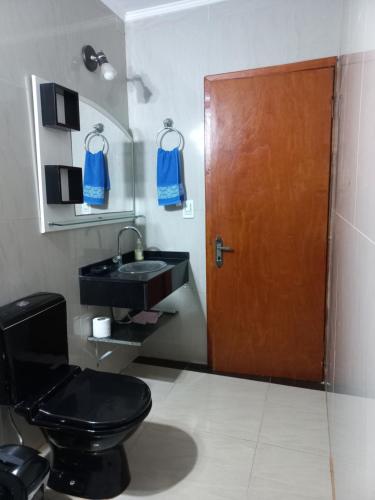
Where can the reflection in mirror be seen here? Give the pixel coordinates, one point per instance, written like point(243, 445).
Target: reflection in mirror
point(118, 151)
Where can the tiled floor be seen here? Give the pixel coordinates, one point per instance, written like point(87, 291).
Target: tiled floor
point(210, 437)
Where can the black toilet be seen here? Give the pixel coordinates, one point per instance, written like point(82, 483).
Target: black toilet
point(85, 415)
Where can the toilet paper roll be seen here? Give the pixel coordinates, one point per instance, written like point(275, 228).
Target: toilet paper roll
point(101, 327)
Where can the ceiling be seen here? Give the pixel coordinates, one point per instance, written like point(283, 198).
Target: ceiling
point(121, 7)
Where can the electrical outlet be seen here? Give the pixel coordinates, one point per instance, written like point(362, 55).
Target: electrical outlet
point(188, 210)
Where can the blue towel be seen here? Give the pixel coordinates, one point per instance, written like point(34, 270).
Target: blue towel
point(96, 178)
point(170, 188)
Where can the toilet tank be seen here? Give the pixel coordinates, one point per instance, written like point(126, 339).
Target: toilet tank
point(33, 347)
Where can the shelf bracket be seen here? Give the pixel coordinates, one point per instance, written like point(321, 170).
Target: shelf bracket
point(99, 357)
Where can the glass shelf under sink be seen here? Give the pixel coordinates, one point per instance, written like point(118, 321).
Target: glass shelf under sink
point(133, 334)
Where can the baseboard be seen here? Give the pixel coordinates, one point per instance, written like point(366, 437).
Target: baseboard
point(196, 367)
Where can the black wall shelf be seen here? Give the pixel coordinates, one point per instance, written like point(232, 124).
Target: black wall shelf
point(60, 107)
point(63, 184)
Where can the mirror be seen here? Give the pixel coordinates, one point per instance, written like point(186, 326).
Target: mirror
point(120, 197)
point(64, 150)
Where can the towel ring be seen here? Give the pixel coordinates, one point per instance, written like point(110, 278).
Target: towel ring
point(98, 128)
point(91, 136)
point(166, 130)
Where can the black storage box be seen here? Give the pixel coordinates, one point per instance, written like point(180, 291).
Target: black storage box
point(63, 184)
point(60, 107)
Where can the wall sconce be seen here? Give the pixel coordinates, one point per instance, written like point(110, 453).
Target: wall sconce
point(94, 59)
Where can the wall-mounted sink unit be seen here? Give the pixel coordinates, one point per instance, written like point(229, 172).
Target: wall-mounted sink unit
point(105, 284)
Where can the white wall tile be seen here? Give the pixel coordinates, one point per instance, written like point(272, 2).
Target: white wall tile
point(173, 53)
point(365, 203)
point(351, 318)
point(353, 32)
point(46, 38)
point(348, 135)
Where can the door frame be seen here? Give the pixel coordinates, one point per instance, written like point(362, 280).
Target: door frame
point(326, 62)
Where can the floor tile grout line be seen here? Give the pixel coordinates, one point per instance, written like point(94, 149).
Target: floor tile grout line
point(295, 449)
point(296, 409)
point(280, 448)
point(259, 441)
point(258, 437)
point(173, 385)
point(204, 431)
point(235, 438)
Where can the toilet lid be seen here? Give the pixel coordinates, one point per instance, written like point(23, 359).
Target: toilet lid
point(95, 400)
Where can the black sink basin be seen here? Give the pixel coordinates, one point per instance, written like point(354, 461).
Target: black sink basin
point(142, 266)
point(103, 284)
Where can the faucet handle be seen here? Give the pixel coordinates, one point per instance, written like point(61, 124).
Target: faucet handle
point(117, 259)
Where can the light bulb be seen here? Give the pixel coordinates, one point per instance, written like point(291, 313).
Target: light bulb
point(108, 71)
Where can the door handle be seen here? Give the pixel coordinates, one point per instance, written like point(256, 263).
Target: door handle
point(219, 249)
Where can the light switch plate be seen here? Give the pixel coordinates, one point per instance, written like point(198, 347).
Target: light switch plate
point(86, 209)
point(188, 210)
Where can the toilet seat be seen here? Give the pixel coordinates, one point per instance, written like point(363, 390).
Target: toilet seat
point(95, 402)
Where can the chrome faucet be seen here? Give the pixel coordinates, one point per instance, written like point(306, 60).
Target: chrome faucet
point(118, 257)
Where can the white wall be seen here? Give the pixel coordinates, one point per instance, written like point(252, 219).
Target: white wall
point(45, 38)
point(173, 53)
point(351, 336)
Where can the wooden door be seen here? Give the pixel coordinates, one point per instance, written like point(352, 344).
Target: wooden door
point(268, 147)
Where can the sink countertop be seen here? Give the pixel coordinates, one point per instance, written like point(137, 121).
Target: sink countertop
point(112, 273)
